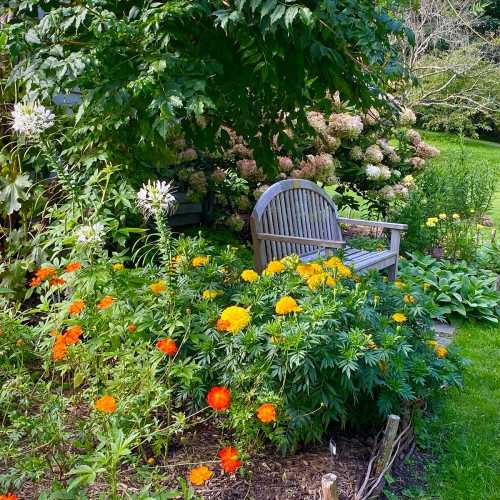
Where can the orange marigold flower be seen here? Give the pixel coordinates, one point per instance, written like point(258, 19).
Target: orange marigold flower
point(76, 307)
point(230, 466)
point(72, 266)
point(219, 398)
point(199, 475)
point(106, 404)
point(409, 299)
point(249, 275)
point(105, 302)
point(287, 305)
point(158, 287)
point(233, 319)
point(8, 496)
point(199, 261)
point(45, 272)
point(399, 317)
point(56, 282)
point(307, 270)
point(167, 346)
point(35, 282)
point(72, 334)
point(274, 267)
point(228, 453)
point(132, 327)
point(59, 348)
point(266, 413)
point(229, 459)
point(441, 351)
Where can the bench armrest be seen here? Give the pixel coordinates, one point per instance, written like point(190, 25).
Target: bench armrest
point(372, 223)
point(301, 241)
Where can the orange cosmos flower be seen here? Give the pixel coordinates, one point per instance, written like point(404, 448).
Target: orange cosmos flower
point(76, 307)
point(266, 413)
point(72, 266)
point(199, 475)
point(56, 282)
point(72, 334)
point(219, 398)
point(35, 282)
point(105, 302)
point(8, 496)
point(132, 327)
point(45, 272)
point(229, 459)
point(167, 346)
point(59, 349)
point(158, 287)
point(106, 404)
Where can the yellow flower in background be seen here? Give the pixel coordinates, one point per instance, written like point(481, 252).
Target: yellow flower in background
point(274, 267)
point(307, 270)
point(234, 319)
point(456, 217)
point(200, 260)
point(480, 226)
point(431, 221)
point(316, 280)
point(441, 351)
point(118, 266)
point(425, 286)
point(200, 475)
point(344, 271)
point(249, 275)
point(409, 299)
point(399, 317)
point(442, 216)
point(432, 344)
point(399, 284)
point(287, 305)
point(211, 294)
point(158, 287)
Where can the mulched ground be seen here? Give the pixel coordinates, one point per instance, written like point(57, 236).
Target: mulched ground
point(266, 475)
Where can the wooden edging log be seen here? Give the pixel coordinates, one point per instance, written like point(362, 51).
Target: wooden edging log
point(387, 444)
point(329, 487)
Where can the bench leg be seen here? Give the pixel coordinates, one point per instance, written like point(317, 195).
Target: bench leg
point(392, 272)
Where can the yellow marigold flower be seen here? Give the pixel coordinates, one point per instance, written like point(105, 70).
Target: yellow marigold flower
point(425, 286)
point(307, 270)
point(118, 266)
point(371, 345)
point(399, 284)
point(431, 221)
point(316, 280)
point(211, 294)
point(199, 475)
point(480, 226)
point(333, 262)
point(432, 344)
point(234, 319)
point(158, 287)
point(442, 216)
point(399, 317)
point(344, 271)
point(441, 351)
point(409, 299)
point(249, 275)
point(274, 267)
point(201, 260)
point(456, 217)
point(286, 305)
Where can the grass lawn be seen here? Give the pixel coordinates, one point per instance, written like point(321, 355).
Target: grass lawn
point(464, 432)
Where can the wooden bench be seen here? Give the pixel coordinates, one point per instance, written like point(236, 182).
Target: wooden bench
point(296, 216)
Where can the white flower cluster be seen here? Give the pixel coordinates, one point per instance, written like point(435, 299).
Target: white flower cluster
point(156, 196)
point(345, 125)
point(31, 119)
point(407, 117)
point(377, 172)
point(86, 235)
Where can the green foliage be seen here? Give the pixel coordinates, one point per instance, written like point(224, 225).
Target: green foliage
point(457, 288)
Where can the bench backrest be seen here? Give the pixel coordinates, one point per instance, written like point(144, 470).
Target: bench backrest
point(293, 207)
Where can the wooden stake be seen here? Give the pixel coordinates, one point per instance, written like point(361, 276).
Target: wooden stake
point(329, 487)
point(391, 430)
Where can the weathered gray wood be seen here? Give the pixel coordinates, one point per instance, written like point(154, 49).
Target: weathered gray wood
point(391, 430)
point(329, 487)
point(297, 216)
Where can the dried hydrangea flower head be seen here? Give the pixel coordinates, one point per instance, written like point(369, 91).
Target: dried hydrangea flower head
point(156, 196)
point(93, 233)
point(31, 119)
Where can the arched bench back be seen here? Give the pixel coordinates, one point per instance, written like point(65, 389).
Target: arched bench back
point(293, 207)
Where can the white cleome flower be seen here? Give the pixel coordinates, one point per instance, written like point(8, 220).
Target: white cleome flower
point(31, 119)
point(93, 233)
point(156, 196)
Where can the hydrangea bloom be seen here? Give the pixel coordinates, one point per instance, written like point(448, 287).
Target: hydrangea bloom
point(93, 233)
point(356, 153)
point(416, 162)
point(345, 125)
point(316, 120)
point(372, 172)
point(285, 164)
point(371, 117)
point(373, 154)
point(156, 196)
point(31, 119)
point(425, 150)
point(414, 137)
point(387, 192)
point(407, 117)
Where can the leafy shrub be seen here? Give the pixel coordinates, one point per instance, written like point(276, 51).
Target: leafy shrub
point(457, 287)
